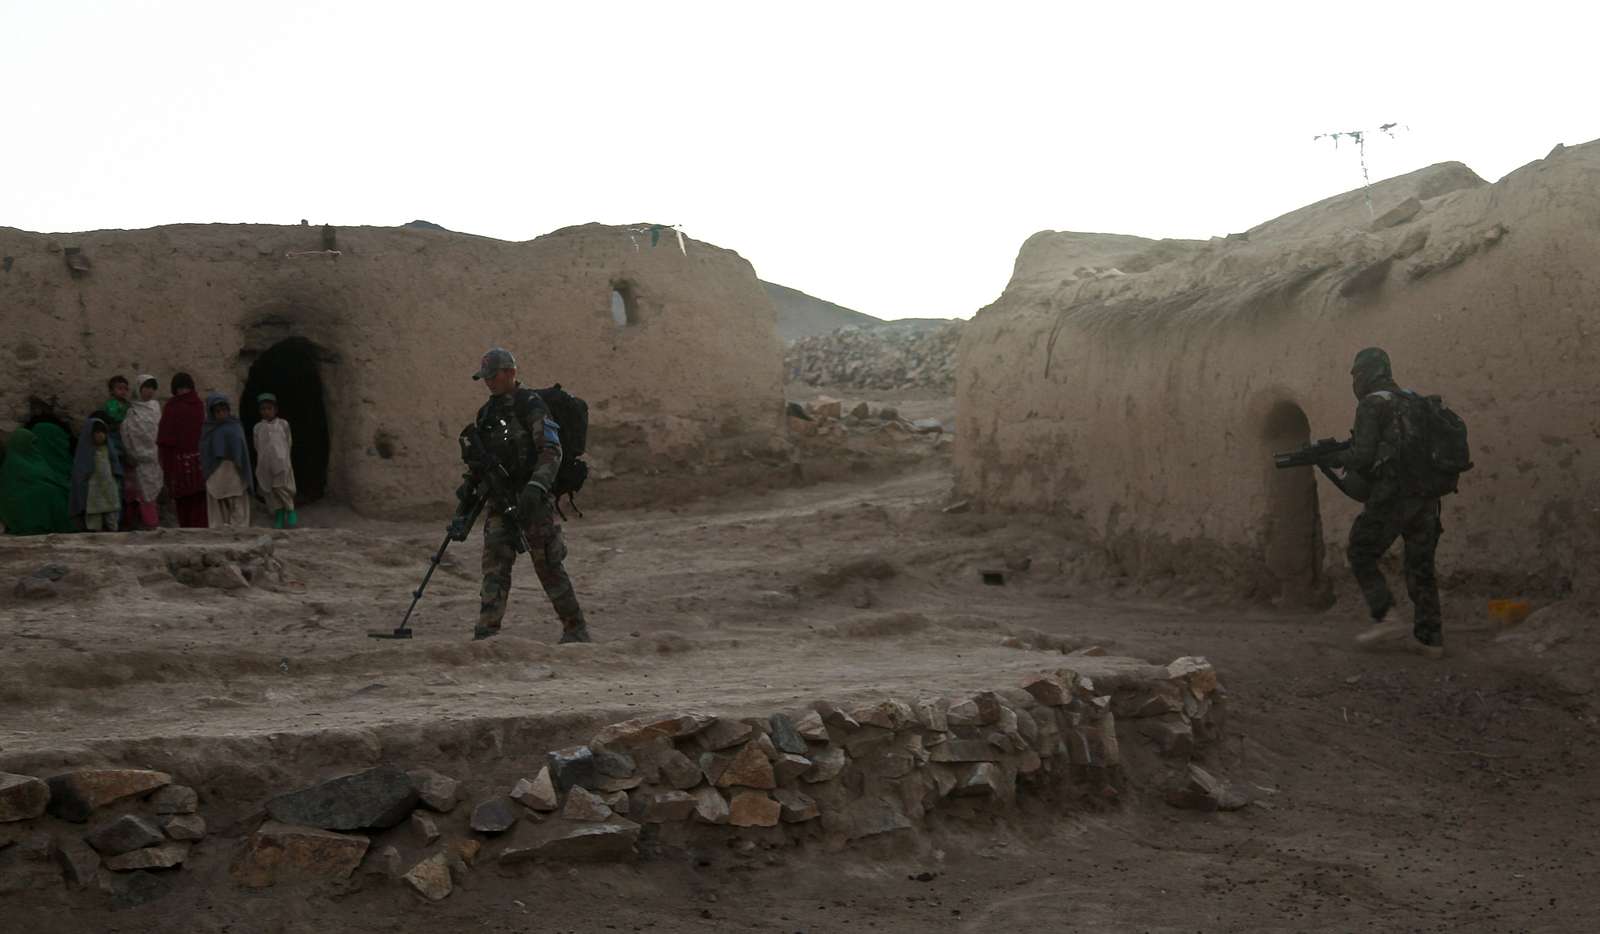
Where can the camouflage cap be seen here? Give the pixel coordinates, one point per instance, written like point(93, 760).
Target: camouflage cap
point(267, 397)
point(498, 358)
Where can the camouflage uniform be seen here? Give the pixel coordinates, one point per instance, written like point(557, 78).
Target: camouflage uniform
point(531, 441)
point(1390, 511)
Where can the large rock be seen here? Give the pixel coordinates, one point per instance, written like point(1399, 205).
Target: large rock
point(186, 827)
point(810, 726)
point(75, 795)
point(571, 767)
point(165, 856)
point(278, 853)
point(640, 732)
point(563, 842)
point(983, 780)
point(79, 863)
point(710, 807)
point(128, 832)
point(538, 793)
point(584, 805)
point(665, 807)
point(436, 791)
point(378, 797)
point(1049, 690)
point(678, 770)
point(423, 829)
point(496, 815)
point(175, 799)
point(430, 878)
point(789, 767)
point(753, 809)
point(826, 765)
point(22, 797)
point(612, 764)
point(796, 806)
point(786, 737)
point(725, 734)
point(749, 769)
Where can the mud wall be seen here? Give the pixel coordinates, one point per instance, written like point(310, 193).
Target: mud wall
point(1142, 385)
point(397, 321)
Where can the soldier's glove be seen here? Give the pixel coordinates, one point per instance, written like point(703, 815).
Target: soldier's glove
point(533, 504)
point(458, 529)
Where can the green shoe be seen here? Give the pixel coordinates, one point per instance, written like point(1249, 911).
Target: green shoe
point(292, 520)
point(277, 519)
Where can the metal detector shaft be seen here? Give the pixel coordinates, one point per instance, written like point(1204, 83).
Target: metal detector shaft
point(403, 631)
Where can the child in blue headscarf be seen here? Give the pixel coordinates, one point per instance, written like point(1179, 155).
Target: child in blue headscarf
point(225, 459)
point(97, 477)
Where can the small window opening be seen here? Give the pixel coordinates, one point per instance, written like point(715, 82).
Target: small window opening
point(624, 310)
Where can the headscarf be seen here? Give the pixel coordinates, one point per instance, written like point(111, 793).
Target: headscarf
point(1371, 372)
point(224, 441)
point(83, 462)
point(139, 432)
point(33, 490)
point(178, 438)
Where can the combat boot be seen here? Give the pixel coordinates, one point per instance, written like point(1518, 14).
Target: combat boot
point(574, 631)
point(480, 632)
point(1383, 631)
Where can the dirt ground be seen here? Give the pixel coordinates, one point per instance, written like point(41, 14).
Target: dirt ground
point(1391, 793)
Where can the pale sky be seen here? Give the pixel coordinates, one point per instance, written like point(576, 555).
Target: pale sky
point(887, 156)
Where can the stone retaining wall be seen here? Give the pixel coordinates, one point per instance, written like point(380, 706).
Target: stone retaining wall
point(825, 776)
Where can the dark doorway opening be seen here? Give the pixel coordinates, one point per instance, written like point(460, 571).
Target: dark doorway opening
point(289, 370)
point(1293, 523)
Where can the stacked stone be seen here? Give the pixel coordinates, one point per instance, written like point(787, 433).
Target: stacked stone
point(829, 773)
point(877, 358)
point(136, 819)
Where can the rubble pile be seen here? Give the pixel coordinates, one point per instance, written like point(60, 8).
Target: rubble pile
point(827, 419)
point(826, 775)
point(877, 358)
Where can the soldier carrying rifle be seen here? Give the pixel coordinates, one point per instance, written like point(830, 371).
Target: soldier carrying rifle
point(513, 454)
point(1405, 452)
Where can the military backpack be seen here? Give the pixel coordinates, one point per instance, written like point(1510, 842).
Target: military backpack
point(1433, 451)
point(571, 416)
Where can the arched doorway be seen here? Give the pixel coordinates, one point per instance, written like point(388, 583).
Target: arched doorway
point(1292, 527)
point(289, 370)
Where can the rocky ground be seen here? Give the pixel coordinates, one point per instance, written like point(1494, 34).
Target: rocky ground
point(1389, 792)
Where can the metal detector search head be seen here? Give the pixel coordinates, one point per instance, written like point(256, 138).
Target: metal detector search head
point(400, 632)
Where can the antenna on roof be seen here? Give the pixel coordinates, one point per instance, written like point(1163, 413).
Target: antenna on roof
point(1360, 138)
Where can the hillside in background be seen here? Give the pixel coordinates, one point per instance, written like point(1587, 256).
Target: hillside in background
point(801, 315)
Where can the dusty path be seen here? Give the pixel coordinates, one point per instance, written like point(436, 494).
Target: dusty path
point(1393, 794)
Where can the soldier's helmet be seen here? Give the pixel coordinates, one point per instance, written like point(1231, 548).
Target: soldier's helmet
point(498, 358)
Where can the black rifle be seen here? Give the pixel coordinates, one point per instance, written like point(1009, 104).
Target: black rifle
point(1318, 454)
point(489, 479)
point(1313, 454)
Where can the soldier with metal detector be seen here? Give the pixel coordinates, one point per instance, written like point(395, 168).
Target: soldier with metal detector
point(513, 454)
point(515, 470)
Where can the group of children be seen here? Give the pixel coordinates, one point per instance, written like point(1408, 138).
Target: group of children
point(132, 455)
